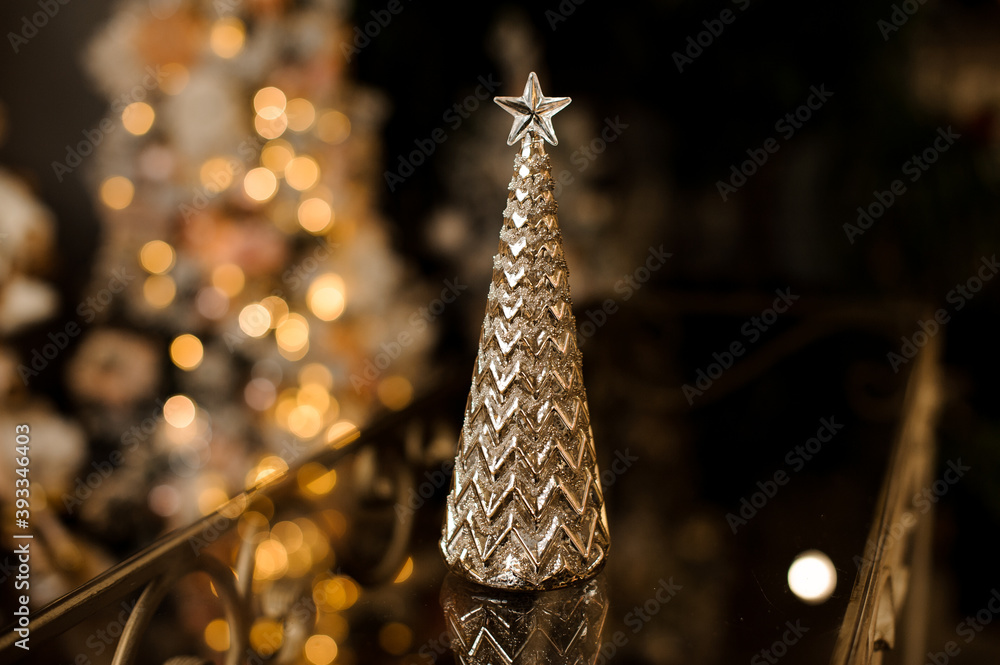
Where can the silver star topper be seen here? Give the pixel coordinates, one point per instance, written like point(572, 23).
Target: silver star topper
point(532, 112)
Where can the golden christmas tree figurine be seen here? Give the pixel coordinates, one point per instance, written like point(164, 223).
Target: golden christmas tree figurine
point(526, 509)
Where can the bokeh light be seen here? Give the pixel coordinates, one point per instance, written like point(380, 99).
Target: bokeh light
point(812, 577)
point(117, 192)
point(320, 650)
point(228, 278)
point(333, 127)
point(186, 351)
point(314, 215)
point(159, 290)
point(269, 102)
point(138, 117)
point(157, 257)
point(255, 320)
point(301, 172)
point(227, 37)
point(179, 411)
point(217, 635)
point(301, 114)
point(326, 297)
point(260, 184)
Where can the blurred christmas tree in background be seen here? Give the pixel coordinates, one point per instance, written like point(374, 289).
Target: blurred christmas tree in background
point(244, 281)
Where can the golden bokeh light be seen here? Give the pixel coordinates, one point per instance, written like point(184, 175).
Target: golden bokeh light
point(320, 650)
point(228, 278)
point(333, 127)
point(395, 638)
point(315, 479)
point(216, 174)
point(277, 308)
point(138, 117)
point(217, 635)
point(159, 290)
point(210, 498)
point(260, 184)
point(292, 334)
point(255, 320)
point(302, 172)
point(301, 114)
point(276, 154)
point(315, 215)
point(116, 192)
point(395, 392)
point(266, 636)
point(186, 351)
point(267, 467)
point(289, 534)
point(179, 411)
point(336, 594)
point(326, 297)
point(342, 433)
point(157, 257)
point(271, 128)
point(227, 37)
point(314, 395)
point(304, 421)
point(317, 373)
point(269, 102)
point(173, 78)
point(405, 571)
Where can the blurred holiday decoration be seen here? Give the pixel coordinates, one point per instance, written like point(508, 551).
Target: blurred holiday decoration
point(246, 308)
point(237, 185)
point(558, 626)
point(60, 559)
point(526, 509)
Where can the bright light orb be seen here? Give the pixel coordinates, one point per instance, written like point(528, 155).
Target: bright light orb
point(812, 577)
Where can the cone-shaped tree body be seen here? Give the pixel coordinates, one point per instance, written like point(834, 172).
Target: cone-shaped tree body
point(526, 509)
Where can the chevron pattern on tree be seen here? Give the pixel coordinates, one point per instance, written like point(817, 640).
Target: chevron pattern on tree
point(526, 509)
point(489, 627)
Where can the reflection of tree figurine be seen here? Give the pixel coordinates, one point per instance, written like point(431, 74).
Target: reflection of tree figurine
point(559, 626)
point(526, 510)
